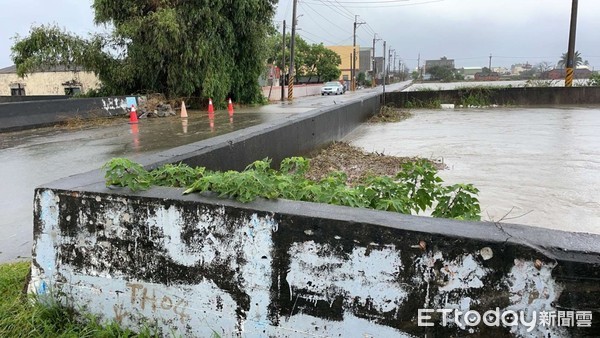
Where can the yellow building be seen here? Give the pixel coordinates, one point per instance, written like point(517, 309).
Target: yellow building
point(345, 53)
point(56, 81)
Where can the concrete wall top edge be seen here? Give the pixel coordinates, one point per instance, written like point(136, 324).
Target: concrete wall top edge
point(554, 244)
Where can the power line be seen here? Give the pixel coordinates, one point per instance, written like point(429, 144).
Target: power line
point(339, 10)
point(317, 36)
point(369, 4)
point(326, 19)
point(344, 8)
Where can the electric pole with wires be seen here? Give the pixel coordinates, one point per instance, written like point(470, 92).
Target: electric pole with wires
point(353, 72)
point(375, 39)
point(292, 74)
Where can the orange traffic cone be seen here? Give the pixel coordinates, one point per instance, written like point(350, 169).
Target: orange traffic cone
point(184, 114)
point(230, 108)
point(211, 109)
point(133, 115)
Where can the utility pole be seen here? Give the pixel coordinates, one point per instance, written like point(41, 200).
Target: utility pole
point(353, 73)
point(571, 51)
point(400, 69)
point(384, 74)
point(351, 68)
point(390, 60)
point(375, 39)
point(292, 73)
point(395, 55)
point(419, 66)
point(281, 73)
point(490, 66)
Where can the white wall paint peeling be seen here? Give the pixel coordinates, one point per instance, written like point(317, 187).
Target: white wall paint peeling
point(317, 272)
point(251, 243)
point(360, 275)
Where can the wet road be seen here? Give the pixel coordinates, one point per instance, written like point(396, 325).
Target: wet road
point(544, 164)
point(31, 158)
point(34, 157)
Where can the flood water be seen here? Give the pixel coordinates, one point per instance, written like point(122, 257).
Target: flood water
point(34, 157)
point(539, 167)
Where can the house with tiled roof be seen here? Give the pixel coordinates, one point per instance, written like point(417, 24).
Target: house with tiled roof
point(58, 80)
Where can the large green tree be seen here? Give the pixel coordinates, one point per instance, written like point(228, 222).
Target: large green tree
point(310, 60)
point(197, 48)
point(322, 63)
point(442, 73)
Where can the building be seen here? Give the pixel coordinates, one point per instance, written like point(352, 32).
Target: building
point(54, 81)
point(487, 76)
point(379, 67)
point(517, 69)
point(366, 62)
point(560, 74)
point(345, 53)
point(443, 62)
point(469, 72)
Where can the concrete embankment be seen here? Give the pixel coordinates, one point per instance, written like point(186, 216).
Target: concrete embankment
point(529, 96)
point(40, 113)
point(195, 265)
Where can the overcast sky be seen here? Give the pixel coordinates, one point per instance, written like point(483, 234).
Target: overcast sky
point(513, 31)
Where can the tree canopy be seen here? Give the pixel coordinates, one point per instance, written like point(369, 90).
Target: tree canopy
point(196, 48)
point(310, 60)
point(442, 73)
point(577, 61)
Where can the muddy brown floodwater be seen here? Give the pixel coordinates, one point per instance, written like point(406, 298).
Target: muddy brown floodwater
point(535, 166)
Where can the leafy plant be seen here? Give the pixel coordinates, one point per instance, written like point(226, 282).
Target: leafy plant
point(434, 103)
point(475, 97)
point(125, 173)
point(414, 189)
point(594, 79)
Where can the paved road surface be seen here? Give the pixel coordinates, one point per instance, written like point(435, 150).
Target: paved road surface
point(31, 158)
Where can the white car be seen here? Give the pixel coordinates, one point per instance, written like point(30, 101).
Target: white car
point(333, 87)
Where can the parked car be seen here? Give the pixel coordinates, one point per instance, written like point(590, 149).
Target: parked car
point(333, 87)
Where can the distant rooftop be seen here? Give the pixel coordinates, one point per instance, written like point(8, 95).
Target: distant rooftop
point(53, 69)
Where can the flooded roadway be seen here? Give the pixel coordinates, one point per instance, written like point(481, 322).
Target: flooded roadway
point(34, 157)
point(543, 163)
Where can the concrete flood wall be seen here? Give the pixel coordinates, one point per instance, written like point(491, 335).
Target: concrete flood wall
point(39, 113)
point(196, 265)
point(25, 98)
point(530, 96)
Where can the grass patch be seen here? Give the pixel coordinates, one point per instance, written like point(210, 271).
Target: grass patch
point(390, 114)
point(475, 97)
point(434, 103)
point(21, 316)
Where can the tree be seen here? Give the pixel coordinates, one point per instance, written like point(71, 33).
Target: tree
point(322, 63)
point(442, 73)
point(543, 66)
point(414, 75)
point(311, 60)
point(180, 48)
point(578, 61)
point(361, 79)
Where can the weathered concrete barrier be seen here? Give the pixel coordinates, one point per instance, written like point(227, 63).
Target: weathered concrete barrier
point(39, 113)
point(197, 265)
point(529, 96)
point(24, 98)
